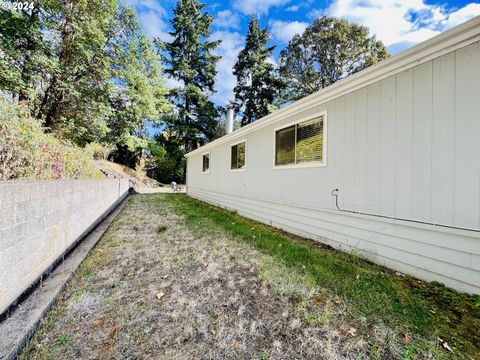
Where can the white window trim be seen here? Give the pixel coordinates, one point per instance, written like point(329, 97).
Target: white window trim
point(230, 156)
point(311, 164)
point(209, 162)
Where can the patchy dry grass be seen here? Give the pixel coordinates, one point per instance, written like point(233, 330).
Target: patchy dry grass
point(174, 278)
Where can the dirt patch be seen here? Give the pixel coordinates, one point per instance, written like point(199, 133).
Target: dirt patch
point(154, 289)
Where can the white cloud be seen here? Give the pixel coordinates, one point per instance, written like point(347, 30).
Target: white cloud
point(398, 22)
point(293, 8)
point(154, 25)
point(462, 15)
point(232, 44)
point(284, 31)
point(227, 19)
point(152, 17)
point(257, 7)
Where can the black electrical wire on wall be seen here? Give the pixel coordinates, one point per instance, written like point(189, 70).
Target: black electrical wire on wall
point(335, 194)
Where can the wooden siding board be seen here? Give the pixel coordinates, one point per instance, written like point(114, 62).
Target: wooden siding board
point(348, 159)
point(387, 147)
point(422, 142)
point(337, 144)
point(360, 148)
point(443, 133)
point(403, 145)
point(467, 136)
point(372, 186)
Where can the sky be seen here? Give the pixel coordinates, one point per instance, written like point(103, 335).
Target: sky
point(400, 24)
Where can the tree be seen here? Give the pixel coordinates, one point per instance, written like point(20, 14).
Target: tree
point(257, 84)
point(26, 57)
point(139, 95)
point(189, 59)
point(75, 103)
point(329, 50)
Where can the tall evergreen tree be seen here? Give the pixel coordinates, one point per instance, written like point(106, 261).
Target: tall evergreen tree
point(139, 95)
point(257, 84)
point(189, 59)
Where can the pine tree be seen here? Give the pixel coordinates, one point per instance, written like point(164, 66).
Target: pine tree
point(189, 59)
point(257, 84)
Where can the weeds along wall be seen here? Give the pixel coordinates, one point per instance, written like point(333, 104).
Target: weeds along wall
point(402, 140)
point(41, 220)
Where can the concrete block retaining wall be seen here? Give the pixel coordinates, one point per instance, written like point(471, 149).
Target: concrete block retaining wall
point(41, 220)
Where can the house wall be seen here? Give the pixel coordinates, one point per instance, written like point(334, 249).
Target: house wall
point(406, 146)
point(41, 220)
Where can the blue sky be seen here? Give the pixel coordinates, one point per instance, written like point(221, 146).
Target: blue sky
point(400, 24)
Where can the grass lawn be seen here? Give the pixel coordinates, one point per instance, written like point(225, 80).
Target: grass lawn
point(177, 278)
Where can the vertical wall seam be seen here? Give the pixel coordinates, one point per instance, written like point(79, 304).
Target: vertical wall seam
point(431, 141)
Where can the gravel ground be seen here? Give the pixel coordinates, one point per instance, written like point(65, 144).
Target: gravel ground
point(152, 289)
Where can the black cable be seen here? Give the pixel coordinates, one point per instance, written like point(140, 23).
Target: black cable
point(335, 194)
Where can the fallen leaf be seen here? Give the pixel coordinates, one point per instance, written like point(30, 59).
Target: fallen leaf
point(407, 338)
point(213, 331)
point(205, 264)
point(106, 346)
point(160, 295)
point(99, 321)
point(404, 301)
point(114, 331)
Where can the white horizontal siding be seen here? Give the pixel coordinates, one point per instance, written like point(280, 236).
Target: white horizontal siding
point(407, 146)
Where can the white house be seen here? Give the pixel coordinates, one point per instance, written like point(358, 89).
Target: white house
point(386, 162)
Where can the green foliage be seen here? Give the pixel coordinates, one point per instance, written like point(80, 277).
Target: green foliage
point(25, 53)
point(257, 86)
point(26, 152)
point(83, 68)
point(329, 50)
point(170, 165)
point(99, 151)
point(189, 59)
point(139, 94)
point(169, 169)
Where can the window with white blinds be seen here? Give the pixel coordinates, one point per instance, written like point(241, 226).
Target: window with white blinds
point(238, 156)
point(206, 163)
point(300, 143)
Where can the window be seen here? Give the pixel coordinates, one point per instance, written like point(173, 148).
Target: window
point(300, 143)
point(206, 163)
point(238, 156)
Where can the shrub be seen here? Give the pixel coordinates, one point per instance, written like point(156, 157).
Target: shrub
point(99, 151)
point(26, 152)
